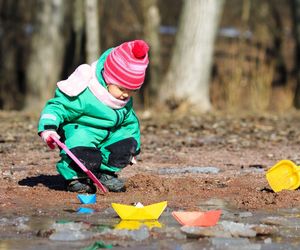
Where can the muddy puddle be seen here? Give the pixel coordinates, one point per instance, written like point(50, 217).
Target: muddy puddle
point(86, 228)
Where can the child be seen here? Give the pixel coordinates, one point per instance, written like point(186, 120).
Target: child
point(92, 114)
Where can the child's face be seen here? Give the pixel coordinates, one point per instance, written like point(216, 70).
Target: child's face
point(119, 92)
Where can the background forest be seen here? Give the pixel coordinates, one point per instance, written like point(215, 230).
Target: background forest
point(207, 54)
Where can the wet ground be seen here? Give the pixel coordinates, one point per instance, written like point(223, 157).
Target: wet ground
point(194, 163)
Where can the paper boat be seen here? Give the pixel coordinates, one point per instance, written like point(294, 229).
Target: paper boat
point(87, 198)
point(139, 212)
point(200, 219)
point(135, 224)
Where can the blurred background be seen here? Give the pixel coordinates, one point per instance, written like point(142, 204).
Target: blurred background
point(206, 55)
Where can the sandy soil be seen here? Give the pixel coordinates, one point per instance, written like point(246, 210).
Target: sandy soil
point(241, 147)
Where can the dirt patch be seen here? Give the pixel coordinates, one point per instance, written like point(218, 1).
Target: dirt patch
point(241, 148)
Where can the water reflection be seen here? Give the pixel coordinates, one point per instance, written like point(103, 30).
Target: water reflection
point(85, 210)
point(134, 224)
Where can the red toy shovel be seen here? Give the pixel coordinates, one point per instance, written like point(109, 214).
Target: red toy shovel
point(74, 158)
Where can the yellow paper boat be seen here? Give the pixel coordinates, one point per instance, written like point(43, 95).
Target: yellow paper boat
point(135, 224)
point(150, 212)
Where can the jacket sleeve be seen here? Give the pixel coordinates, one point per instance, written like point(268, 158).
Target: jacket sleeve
point(132, 126)
point(60, 109)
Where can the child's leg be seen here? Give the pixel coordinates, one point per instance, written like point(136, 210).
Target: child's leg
point(81, 141)
point(117, 152)
point(76, 180)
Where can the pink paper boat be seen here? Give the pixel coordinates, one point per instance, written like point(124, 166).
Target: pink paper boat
point(198, 219)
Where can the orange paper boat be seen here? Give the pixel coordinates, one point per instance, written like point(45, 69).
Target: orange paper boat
point(200, 219)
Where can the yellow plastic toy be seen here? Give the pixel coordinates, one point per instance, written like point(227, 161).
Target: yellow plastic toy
point(285, 175)
point(139, 212)
point(135, 224)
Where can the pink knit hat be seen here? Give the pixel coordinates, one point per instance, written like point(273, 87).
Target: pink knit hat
point(126, 64)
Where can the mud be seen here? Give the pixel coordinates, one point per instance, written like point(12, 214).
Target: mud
point(237, 149)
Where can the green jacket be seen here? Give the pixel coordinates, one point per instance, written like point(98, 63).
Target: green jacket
point(89, 112)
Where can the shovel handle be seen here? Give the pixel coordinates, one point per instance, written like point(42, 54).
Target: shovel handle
point(84, 169)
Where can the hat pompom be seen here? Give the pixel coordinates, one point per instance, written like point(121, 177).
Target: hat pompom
point(140, 49)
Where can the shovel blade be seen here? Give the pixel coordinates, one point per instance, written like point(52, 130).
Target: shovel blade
point(285, 175)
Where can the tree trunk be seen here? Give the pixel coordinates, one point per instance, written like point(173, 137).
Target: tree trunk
point(92, 29)
point(188, 76)
point(151, 34)
point(15, 16)
point(47, 51)
point(296, 22)
point(10, 94)
point(78, 28)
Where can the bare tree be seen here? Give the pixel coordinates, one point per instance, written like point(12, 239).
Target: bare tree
point(15, 19)
point(78, 28)
point(296, 22)
point(187, 79)
point(47, 51)
point(92, 29)
point(151, 33)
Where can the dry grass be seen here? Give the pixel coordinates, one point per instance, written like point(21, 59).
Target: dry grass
point(244, 79)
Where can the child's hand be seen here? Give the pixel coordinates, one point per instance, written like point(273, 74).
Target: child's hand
point(46, 136)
